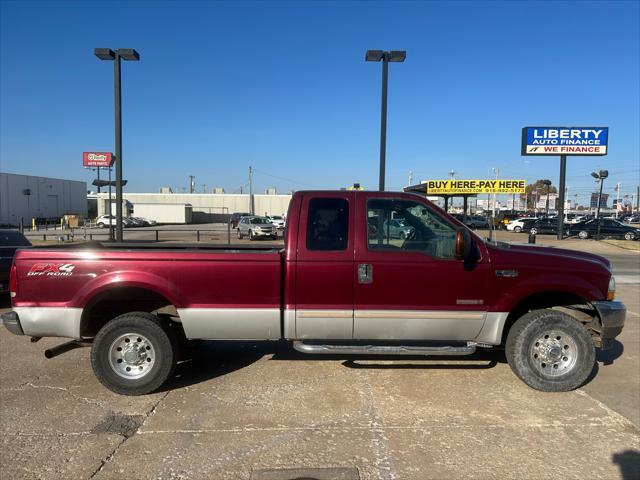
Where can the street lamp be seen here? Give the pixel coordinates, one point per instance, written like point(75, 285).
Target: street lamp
point(385, 58)
point(599, 176)
point(128, 54)
point(548, 184)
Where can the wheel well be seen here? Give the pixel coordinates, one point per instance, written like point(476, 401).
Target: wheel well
point(109, 304)
point(544, 300)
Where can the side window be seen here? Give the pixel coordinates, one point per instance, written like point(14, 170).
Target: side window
point(328, 224)
point(415, 228)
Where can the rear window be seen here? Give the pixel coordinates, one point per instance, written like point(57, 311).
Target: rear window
point(12, 238)
point(327, 225)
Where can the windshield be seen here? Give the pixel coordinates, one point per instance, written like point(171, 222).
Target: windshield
point(259, 221)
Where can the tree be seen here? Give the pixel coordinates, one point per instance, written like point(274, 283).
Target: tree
point(535, 190)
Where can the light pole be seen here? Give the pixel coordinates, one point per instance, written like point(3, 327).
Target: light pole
point(548, 184)
point(599, 176)
point(385, 58)
point(128, 54)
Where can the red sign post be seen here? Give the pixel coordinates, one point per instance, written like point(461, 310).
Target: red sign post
point(97, 159)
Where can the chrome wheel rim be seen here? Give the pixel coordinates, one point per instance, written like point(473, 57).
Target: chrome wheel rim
point(132, 356)
point(534, 231)
point(554, 353)
point(583, 234)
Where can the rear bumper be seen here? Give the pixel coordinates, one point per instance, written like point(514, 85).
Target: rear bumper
point(11, 321)
point(612, 316)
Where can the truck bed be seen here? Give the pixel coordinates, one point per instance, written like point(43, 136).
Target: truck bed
point(219, 291)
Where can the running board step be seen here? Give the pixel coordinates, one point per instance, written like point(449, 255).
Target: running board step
point(383, 349)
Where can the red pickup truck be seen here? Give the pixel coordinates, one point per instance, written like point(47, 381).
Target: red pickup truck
point(361, 273)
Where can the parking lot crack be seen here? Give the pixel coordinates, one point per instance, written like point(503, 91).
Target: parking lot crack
point(612, 414)
point(125, 427)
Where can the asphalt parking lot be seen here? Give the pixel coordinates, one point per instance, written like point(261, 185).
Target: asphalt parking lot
point(242, 411)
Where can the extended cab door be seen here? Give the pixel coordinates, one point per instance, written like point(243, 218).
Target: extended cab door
point(324, 267)
point(414, 288)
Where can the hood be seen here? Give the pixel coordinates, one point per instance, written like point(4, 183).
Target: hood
point(559, 257)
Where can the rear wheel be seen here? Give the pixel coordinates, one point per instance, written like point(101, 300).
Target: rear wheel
point(134, 354)
point(583, 234)
point(533, 231)
point(517, 229)
point(550, 351)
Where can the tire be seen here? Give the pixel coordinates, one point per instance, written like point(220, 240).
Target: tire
point(517, 229)
point(583, 234)
point(152, 359)
point(533, 231)
point(251, 235)
point(101, 225)
point(239, 234)
point(565, 363)
point(629, 236)
point(402, 236)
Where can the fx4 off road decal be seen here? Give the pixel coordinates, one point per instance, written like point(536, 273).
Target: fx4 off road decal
point(51, 270)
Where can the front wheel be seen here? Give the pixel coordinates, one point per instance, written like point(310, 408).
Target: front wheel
point(533, 231)
point(629, 236)
point(583, 234)
point(550, 351)
point(134, 354)
point(403, 236)
point(239, 234)
point(251, 235)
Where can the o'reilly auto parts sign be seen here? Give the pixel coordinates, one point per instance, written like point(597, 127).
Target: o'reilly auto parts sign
point(565, 140)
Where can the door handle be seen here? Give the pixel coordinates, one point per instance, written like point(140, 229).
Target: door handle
point(365, 273)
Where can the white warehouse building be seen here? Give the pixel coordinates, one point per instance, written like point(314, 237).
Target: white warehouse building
point(203, 207)
point(25, 197)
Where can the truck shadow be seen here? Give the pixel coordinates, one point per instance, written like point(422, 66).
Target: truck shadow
point(211, 359)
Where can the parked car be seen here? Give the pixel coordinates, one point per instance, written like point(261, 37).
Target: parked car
point(103, 221)
point(397, 228)
point(10, 241)
point(635, 218)
point(256, 227)
point(517, 225)
point(545, 226)
point(477, 222)
point(330, 290)
point(235, 218)
point(278, 221)
point(608, 228)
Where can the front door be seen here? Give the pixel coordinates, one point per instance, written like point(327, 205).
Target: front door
point(413, 288)
point(324, 267)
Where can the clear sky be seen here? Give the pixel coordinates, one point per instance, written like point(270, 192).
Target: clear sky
point(284, 87)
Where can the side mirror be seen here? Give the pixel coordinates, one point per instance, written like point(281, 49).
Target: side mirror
point(463, 243)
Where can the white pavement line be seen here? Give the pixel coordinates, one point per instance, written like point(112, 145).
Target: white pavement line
point(633, 313)
point(627, 279)
point(615, 416)
point(367, 427)
point(383, 456)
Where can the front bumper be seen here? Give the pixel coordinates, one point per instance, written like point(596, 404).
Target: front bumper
point(612, 316)
point(11, 321)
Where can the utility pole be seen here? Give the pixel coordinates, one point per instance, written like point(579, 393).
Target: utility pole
point(191, 183)
point(410, 177)
point(617, 198)
point(204, 188)
point(251, 206)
